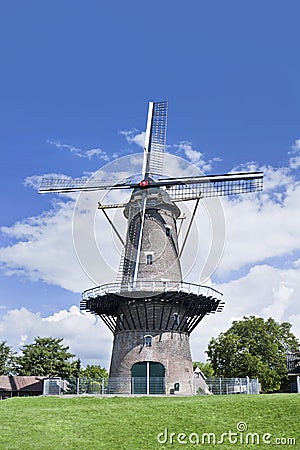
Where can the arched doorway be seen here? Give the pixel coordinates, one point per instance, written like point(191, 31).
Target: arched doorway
point(148, 378)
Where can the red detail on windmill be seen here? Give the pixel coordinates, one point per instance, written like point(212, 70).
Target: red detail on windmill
point(144, 183)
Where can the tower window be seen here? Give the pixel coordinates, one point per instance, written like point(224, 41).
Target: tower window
point(149, 258)
point(148, 340)
point(176, 317)
point(168, 231)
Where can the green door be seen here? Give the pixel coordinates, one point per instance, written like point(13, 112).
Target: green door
point(139, 378)
point(148, 378)
point(157, 378)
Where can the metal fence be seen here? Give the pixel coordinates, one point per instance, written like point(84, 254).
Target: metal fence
point(59, 386)
point(140, 385)
point(134, 385)
point(226, 386)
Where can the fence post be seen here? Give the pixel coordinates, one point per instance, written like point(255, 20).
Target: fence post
point(45, 383)
point(102, 386)
point(220, 386)
point(248, 384)
point(77, 386)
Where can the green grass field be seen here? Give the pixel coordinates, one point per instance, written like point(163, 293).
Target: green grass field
point(124, 423)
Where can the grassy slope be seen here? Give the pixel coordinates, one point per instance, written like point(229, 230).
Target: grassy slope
point(134, 423)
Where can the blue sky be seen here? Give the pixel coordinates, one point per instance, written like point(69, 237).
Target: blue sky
point(75, 75)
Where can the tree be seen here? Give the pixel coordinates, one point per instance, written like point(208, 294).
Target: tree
point(256, 348)
point(47, 357)
point(94, 371)
point(7, 359)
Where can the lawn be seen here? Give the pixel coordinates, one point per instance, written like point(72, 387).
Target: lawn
point(124, 423)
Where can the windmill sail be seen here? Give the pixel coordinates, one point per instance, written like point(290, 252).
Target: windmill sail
point(140, 236)
point(155, 139)
point(63, 185)
point(181, 189)
point(155, 143)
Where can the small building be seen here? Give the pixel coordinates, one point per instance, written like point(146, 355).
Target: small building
point(20, 386)
point(200, 386)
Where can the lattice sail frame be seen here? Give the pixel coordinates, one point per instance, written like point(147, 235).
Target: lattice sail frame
point(216, 186)
point(179, 189)
point(158, 136)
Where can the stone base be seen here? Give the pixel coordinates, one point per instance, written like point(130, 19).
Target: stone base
point(171, 349)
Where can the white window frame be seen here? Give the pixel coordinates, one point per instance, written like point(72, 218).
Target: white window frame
point(148, 340)
point(147, 255)
point(176, 317)
point(168, 230)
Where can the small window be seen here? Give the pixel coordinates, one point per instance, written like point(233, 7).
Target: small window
point(149, 258)
point(168, 231)
point(176, 318)
point(148, 340)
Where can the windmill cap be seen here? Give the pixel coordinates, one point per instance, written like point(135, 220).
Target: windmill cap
point(157, 198)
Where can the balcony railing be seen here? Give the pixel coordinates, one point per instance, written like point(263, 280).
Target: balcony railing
point(124, 289)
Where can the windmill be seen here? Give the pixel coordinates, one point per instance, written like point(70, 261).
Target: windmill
point(150, 310)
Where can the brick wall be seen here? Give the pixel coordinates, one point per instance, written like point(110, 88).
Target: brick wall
point(172, 349)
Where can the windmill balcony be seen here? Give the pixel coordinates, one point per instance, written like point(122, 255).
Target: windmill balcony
point(142, 288)
point(168, 306)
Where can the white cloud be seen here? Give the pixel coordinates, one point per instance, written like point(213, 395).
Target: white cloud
point(44, 249)
point(89, 154)
point(87, 336)
point(184, 148)
point(297, 263)
point(295, 159)
point(296, 145)
point(275, 178)
point(195, 156)
point(132, 136)
point(295, 162)
point(282, 298)
point(262, 226)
